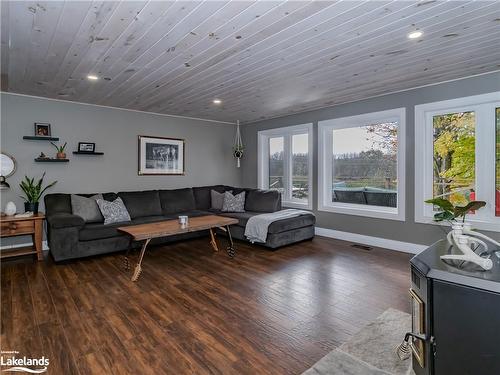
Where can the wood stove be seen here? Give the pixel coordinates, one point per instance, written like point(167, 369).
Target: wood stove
point(455, 315)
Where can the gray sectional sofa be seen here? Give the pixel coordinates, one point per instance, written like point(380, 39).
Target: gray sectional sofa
point(70, 237)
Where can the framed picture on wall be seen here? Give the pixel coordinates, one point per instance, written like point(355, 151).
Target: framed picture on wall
point(42, 129)
point(86, 147)
point(161, 156)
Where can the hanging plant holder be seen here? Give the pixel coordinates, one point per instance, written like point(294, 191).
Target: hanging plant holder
point(238, 147)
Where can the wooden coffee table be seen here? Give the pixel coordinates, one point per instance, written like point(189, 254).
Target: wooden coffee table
point(146, 232)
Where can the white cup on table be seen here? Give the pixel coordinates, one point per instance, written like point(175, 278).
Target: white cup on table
point(183, 220)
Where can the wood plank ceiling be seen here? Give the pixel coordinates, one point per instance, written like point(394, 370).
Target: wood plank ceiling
point(261, 58)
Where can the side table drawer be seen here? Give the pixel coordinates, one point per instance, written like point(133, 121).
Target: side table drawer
point(16, 228)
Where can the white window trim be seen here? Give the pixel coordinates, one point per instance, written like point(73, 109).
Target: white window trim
point(263, 160)
point(325, 170)
point(485, 168)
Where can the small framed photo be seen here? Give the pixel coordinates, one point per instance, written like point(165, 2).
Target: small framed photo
point(42, 129)
point(86, 147)
point(159, 156)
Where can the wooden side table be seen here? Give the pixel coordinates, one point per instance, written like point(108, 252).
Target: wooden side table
point(11, 226)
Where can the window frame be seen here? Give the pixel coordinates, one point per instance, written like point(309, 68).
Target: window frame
point(484, 108)
point(325, 164)
point(287, 133)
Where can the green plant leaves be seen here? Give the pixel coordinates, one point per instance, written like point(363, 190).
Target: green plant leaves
point(443, 204)
point(33, 191)
point(449, 212)
point(471, 206)
point(444, 216)
point(59, 148)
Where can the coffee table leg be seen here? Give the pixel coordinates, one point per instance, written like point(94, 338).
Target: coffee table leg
point(138, 269)
point(230, 249)
point(213, 241)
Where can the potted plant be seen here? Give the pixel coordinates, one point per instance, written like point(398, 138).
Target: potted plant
point(453, 214)
point(33, 192)
point(60, 150)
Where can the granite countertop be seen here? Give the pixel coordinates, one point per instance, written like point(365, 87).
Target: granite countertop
point(428, 262)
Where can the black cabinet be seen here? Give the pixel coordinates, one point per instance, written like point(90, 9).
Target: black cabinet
point(466, 330)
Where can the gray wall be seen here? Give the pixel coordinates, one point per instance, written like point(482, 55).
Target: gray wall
point(407, 231)
point(208, 147)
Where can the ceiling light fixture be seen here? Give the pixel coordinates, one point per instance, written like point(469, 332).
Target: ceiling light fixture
point(415, 34)
point(92, 77)
point(217, 101)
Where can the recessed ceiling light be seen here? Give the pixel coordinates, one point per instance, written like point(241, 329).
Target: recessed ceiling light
point(92, 77)
point(415, 34)
point(217, 101)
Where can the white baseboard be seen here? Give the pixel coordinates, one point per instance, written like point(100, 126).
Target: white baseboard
point(405, 247)
point(45, 246)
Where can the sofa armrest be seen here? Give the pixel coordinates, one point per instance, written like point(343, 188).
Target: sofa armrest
point(65, 220)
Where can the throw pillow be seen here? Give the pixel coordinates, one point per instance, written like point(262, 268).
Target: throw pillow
point(113, 212)
point(86, 208)
point(233, 203)
point(217, 199)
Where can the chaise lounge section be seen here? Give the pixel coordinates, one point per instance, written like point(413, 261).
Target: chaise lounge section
point(70, 237)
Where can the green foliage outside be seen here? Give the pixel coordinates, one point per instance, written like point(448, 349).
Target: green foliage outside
point(454, 156)
point(300, 180)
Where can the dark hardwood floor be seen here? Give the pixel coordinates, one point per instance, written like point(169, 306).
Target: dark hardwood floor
point(195, 312)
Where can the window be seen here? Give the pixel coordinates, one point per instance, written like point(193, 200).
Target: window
point(361, 165)
point(276, 164)
point(457, 148)
point(285, 163)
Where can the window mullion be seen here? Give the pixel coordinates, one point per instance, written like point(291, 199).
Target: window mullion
point(328, 155)
point(485, 162)
point(287, 166)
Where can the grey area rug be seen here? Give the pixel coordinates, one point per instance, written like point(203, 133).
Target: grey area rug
point(371, 350)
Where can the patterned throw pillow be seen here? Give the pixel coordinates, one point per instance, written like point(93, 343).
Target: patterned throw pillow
point(234, 203)
point(113, 212)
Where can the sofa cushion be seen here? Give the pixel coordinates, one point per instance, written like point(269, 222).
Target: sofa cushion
point(178, 200)
point(263, 201)
point(87, 208)
point(292, 223)
point(236, 190)
point(113, 212)
point(141, 203)
point(57, 203)
point(216, 200)
point(193, 213)
point(276, 227)
point(241, 216)
point(233, 203)
point(98, 231)
point(202, 195)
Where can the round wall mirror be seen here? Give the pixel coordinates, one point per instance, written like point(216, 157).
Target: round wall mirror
point(7, 165)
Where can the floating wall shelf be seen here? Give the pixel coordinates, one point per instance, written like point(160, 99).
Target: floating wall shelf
point(87, 153)
point(50, 160)
point(40, 138)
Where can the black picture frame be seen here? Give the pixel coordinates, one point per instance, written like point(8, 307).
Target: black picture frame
point(161, 156)
point(42, 129)
point(86, 147)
